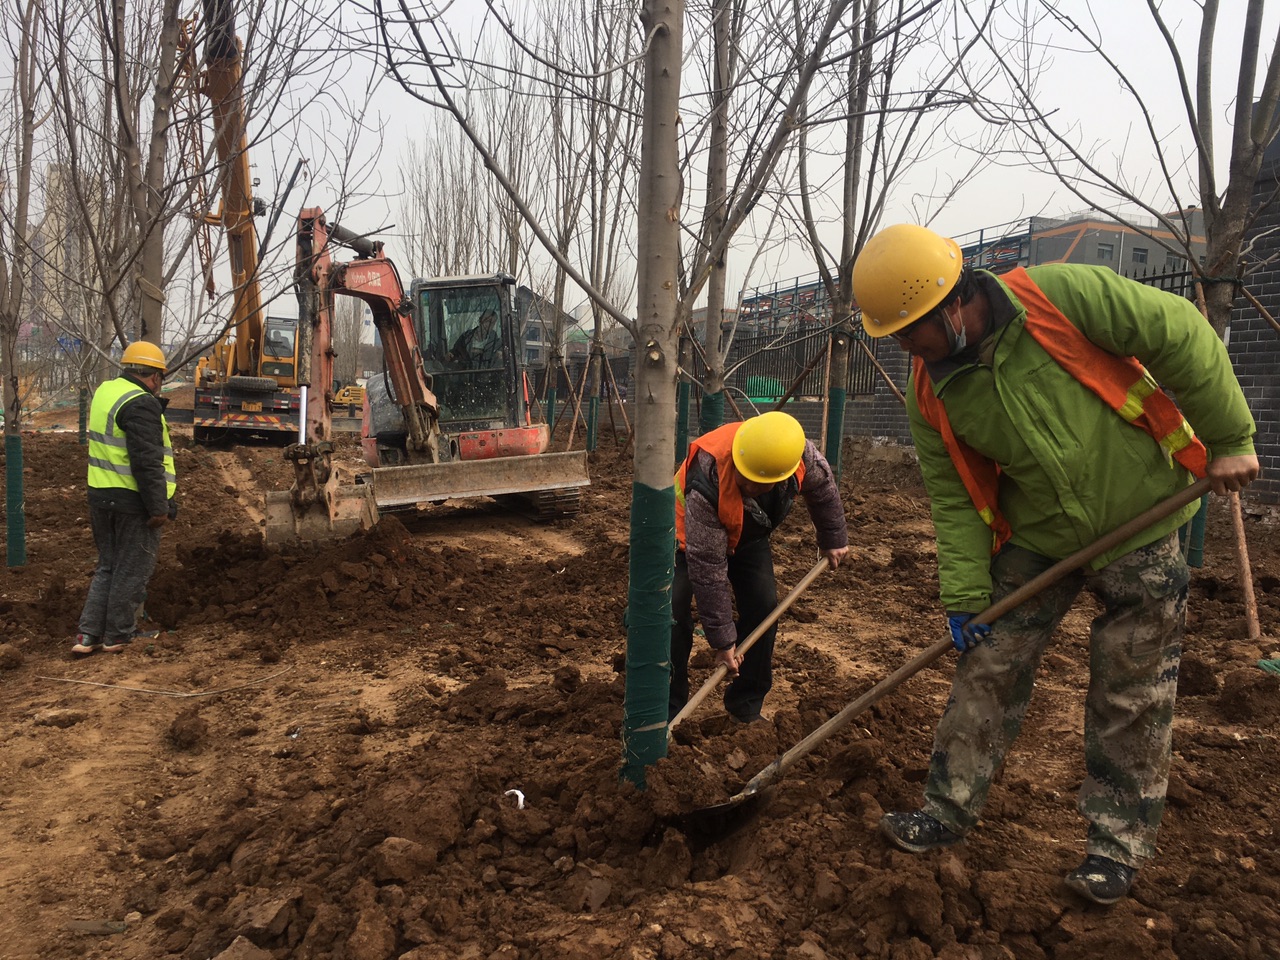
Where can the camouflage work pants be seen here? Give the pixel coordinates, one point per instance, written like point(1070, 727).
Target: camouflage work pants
point(1134, 648)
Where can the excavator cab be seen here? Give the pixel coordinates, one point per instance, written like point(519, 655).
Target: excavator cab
point(465, 326)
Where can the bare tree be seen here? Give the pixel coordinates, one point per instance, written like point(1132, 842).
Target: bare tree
point(139, 160)
point(658, 201)
point(1187, 164)
point(424, 61)
point(443, 216)
point(790, 59)
point(591, 153)
point(726, 30)
point(887, 118)
point(348, 324)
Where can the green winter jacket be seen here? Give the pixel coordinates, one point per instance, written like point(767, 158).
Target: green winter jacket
point(1072, 469)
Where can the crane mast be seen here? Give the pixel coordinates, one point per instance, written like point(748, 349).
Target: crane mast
point(224, 87)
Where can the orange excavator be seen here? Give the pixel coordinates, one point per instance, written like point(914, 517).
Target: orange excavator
point(448, 417)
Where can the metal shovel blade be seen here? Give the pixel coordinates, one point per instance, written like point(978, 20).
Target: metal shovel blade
point(708, 825)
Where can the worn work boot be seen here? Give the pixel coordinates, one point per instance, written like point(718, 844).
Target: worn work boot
point(1101, 880)
point(85, 645)
point(917, 832)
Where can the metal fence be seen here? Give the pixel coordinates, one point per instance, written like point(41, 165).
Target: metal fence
point(568, 379)
point(1171, 281)
point(763, 367)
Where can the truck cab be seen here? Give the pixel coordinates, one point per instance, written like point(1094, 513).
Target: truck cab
point(279, 355)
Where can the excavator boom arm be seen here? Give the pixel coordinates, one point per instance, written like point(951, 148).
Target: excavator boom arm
point(374, 280)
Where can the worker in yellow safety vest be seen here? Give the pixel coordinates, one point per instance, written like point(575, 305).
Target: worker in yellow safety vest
point(132, 483)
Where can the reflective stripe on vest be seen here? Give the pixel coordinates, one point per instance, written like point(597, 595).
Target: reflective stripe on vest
point(979, 474)
point(1122, 383)
point(109, 466)
point(719, 443)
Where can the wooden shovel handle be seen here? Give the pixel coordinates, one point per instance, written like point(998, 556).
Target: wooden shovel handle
point(998, 609)
point(718, 674)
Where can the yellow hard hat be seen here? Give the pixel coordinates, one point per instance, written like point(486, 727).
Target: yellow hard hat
point(902, 273)
point(768, 448)
point(143, 354)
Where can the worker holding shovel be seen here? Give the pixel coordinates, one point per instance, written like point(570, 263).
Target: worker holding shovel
point(1038, 428)
point(734, 489)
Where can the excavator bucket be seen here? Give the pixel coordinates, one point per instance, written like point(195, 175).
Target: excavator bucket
point(548, 483)
point(340, 513)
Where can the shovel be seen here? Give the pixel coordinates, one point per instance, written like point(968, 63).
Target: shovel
point(718, 674)
point(716, 822)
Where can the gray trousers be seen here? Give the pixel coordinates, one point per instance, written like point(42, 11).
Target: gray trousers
point(127, 552)
point(1134, 648)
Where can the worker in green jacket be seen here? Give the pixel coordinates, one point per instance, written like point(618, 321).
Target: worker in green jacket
point(1040, 427)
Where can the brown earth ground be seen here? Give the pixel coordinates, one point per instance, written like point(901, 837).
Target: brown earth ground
point(315, 757)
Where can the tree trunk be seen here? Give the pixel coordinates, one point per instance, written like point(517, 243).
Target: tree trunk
point(13, 268)
point(147, 183)
point(652, 560)
point(717, 205)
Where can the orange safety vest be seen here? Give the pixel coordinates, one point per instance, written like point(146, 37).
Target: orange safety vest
point(719, 443)
point(1122, 383)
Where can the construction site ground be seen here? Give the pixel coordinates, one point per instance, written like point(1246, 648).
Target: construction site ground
point(318, 755)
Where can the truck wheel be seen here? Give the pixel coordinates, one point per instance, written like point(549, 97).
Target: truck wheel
point(252, 384)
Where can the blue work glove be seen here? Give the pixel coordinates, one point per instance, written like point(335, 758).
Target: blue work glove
point(965, 635)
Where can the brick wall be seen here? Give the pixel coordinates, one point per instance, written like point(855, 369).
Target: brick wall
point(882, 416)
point(1254, 345)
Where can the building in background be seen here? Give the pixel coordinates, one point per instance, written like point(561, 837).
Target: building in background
point(1091, 238)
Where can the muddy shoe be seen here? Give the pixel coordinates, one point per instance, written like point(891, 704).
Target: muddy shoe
point(1101, 880)
point(85, 645)
point(115, 646)
point(917, 832)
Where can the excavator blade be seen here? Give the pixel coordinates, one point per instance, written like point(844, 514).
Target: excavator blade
point(548, 482)
point(348, 510)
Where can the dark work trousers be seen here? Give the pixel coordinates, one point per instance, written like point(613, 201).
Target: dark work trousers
point(127, 550)
point(755, 592)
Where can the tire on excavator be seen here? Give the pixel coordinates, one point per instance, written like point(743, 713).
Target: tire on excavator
point(252, 384)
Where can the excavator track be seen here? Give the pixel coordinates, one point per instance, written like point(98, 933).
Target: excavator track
point(545, 505)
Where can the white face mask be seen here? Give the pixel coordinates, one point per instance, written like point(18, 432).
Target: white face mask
point(958, 340)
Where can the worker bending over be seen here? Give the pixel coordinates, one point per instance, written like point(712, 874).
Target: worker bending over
point(734, 489)
point(1039, 429)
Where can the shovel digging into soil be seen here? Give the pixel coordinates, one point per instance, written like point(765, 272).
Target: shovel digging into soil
point(710, 824)
point(718, 674)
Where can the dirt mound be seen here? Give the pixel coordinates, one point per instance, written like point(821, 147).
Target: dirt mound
point(407, 744)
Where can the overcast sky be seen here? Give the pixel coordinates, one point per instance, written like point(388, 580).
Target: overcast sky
point(1107, 117)
point(1074, 88)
